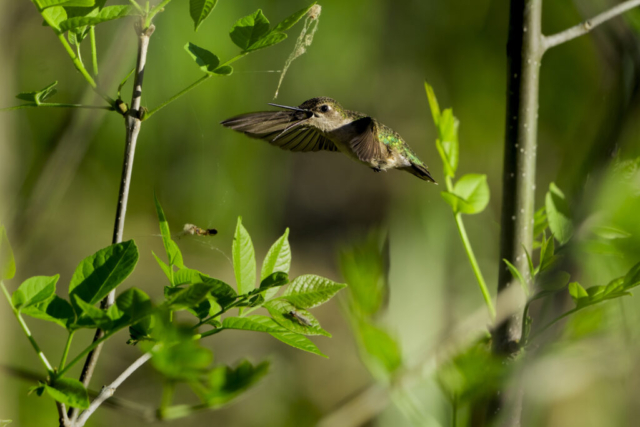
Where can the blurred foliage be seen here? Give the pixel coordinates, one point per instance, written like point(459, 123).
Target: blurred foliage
point(59, 174)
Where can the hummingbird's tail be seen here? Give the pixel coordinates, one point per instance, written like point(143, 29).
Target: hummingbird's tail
point(421, 171)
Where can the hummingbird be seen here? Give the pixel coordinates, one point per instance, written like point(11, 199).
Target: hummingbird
point(323, 124)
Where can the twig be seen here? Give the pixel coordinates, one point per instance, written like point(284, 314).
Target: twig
point(62, 414)
point(143, 412)
point(132, 123)
point(588, 25)
point(109, 390)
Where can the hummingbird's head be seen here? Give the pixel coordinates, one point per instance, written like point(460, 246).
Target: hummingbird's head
point(323, 113)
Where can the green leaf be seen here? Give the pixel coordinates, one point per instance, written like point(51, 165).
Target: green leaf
point(310, 291)
point(517, 275)
point(269, 40)
point(226, 383)
point(253, 323)
point(363, 267)
point(293, 19)
point(185, 361)
point(274, 280)
point(539, 222)
point(277, 259)
point(165, 268)
point(298, 341)
point(43, 4)
point(558, 214)
point(433, 104)
point(610, 233)
point(632, 278)
point(474, 190)
point(244, 260)
point(285, 314)
point(34, 290)
point(532, 270)
point(173, 252)
point(447, 142)
point(207, 61)
point(189, 297)
point(108, 13)
point(54, 16)
point(456, 202)
point(577, 291)
point(380, 346)
point(200, 10)
point(56, 309)
point(103, 271)
point(133, 305)
point(70, 392)
point(547, 257)
point(91, 316)
point(222, 292)
point(7, 261)
point(249, 30)
point(40, 95)
point(224, 70)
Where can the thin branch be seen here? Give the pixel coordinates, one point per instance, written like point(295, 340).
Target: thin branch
point(143, 412)
point(588, 25)
point(109, 390)
point(62, 414)
point(58, 105)
point(132, 123)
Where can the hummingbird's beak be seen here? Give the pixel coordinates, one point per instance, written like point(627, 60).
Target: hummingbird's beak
point(289, 108)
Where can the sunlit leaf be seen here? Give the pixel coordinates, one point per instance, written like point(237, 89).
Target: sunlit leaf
point(43, 4)
point(103, 271)
point(253, 323)
point(56, 309)
point(558, 214)
point(433, 103)
point(298, 341)
point(244, 260)
point(309, 291)
point(249, 30)
point(277, 259)
point(200, 10)
point(108, 13)
point(293, 19)
point(380, 347)
point(173, 252)
point(474, 190)
point(34, 290)
point(294, 319)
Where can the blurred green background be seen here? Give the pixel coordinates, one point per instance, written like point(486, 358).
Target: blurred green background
point(60, 172)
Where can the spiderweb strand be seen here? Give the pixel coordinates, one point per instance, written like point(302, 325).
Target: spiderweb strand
point(304, 41)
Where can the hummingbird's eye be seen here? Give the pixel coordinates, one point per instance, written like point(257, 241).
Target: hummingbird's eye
point(324, 108)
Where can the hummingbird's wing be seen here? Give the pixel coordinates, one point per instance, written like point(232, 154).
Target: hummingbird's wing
point(366, 144)
point(284, 129)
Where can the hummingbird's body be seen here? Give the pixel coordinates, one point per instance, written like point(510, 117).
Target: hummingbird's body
point(322, 124)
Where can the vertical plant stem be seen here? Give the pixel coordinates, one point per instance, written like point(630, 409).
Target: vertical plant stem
point(524, 52)
point(132, 125)
point(94, 50)
point(67, 346)
point(472, 258)
point(474, 265)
